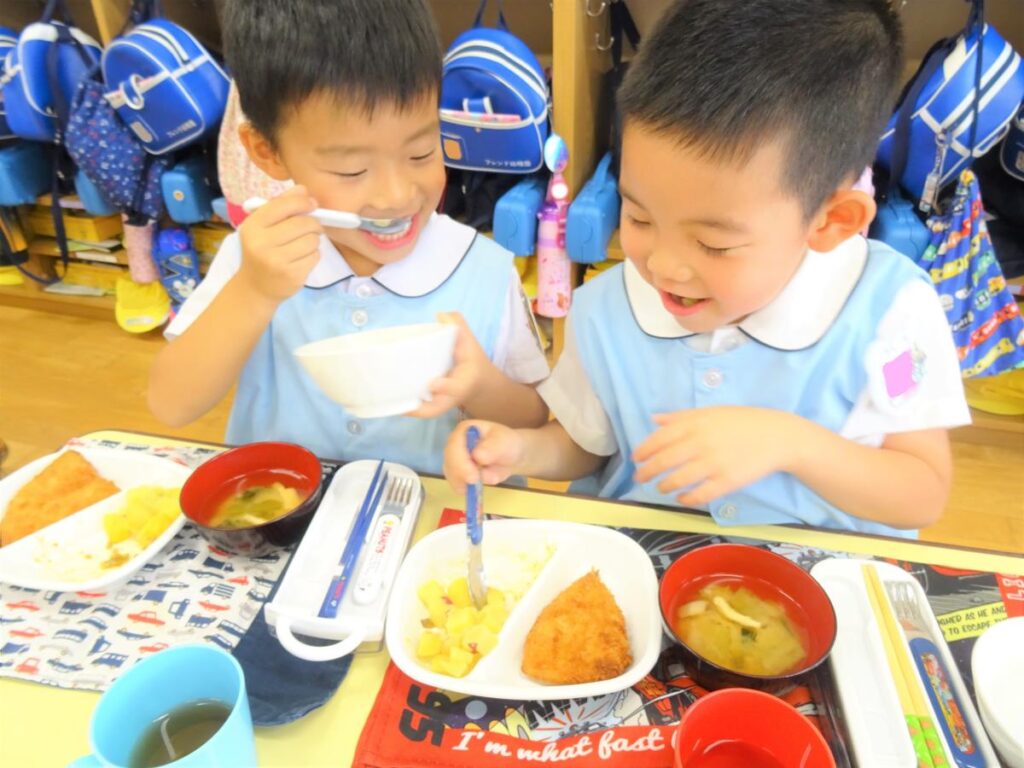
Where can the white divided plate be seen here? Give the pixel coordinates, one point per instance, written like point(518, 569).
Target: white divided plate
point(873, 713)
point(997, 663)
point(508, 546)
point(81, 534)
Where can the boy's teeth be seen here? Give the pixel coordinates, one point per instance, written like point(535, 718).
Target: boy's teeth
point(687, 302)
point(391, 235)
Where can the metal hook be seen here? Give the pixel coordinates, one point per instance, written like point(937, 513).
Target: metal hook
point(594, 14)
point(607, 46)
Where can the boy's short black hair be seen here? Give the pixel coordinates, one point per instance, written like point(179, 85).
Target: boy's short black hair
point(362, 52)
point(726, 75)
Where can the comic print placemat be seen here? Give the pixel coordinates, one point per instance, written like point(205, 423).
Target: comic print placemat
point(415, 725)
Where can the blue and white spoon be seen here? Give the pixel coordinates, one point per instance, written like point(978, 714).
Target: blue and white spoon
point(475, 530)
point(343, 219)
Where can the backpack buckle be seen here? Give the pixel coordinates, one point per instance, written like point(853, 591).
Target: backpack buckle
point(139, 101)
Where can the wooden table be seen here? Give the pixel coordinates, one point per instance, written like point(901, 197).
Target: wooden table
point(42, 726)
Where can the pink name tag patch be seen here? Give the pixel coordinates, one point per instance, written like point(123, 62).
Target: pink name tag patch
point(903, 373)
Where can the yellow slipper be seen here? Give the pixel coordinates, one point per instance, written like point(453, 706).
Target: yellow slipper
point(141, 307)
point(10, 276)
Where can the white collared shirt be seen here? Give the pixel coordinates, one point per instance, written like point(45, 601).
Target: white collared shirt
point(439, 251)
point(798, 317)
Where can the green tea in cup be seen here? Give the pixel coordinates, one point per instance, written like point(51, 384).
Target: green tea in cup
point(178, 733)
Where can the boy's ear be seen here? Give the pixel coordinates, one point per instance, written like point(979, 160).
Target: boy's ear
point(845, 214)
point(262, 152)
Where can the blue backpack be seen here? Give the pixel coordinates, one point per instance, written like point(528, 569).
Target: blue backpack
point(515, 216)
point(956, 108)
point(164, 85)
point(42, 72)
point(1012, 154)
point(8, 41)
point(593, 216)
point(494, 102)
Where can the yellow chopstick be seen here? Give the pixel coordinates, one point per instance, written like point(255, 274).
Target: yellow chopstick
point(927, 745)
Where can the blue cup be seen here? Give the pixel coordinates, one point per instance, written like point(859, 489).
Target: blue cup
point(161, 683)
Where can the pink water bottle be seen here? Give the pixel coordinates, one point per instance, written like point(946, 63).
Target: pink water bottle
point(554, 270)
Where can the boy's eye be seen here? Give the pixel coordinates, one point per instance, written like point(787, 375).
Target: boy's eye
point(710, 251)
point(420, 158)
point(352, 175)
point(637, 222)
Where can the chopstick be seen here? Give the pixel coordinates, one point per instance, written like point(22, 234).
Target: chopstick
point(354, 545)
point(923, 735)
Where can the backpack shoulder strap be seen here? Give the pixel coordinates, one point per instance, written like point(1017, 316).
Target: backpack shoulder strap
point(61, 163)
point(479, 19)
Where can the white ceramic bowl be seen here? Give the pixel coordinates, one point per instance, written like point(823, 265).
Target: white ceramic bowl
point(997, 665)
point(384, 372)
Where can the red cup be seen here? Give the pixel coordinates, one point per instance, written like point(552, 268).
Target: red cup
point(743, 728)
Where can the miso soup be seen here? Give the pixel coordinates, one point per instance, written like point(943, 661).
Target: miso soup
point(256, 500)
point(741, 629)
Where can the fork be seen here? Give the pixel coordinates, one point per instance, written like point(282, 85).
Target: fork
point(397, 496)
point(935, 675)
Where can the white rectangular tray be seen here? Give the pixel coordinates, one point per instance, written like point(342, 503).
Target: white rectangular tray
point(861, 670)
point(295, 608)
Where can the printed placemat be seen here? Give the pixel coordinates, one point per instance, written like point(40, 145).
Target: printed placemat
point(416, 725)
point(191, 592)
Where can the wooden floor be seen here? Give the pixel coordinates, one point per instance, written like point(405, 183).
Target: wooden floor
point(62, 376)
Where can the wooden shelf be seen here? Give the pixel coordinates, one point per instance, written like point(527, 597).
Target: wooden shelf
point(614, 251)
point(562, 34)
point(29, 295)
point(47, 247)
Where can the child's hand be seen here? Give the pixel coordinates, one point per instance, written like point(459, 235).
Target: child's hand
point(280, 245)
point(715, 450)
point(496, 457)
point(465, 380)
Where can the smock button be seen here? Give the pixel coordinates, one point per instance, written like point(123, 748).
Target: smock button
point(712, 378)
point(364, 291)
point(360, 318)
point(728, 511)
point(355, 428)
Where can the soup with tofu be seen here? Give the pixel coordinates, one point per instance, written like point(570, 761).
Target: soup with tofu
point(256, 500)
point(747, 627)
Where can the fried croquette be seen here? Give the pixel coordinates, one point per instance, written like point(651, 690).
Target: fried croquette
point(66, 486)
point(579, 637)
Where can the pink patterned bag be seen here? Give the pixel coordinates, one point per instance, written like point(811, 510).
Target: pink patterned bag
point(240, 179)
point(138, 242)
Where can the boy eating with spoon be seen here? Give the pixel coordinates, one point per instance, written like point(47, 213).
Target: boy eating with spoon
point(341, 97)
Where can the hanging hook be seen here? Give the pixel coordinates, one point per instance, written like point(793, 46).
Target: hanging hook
point(605, 46)
point(594, 14)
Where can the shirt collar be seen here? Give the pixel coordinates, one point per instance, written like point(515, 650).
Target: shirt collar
point(795, 319)
point(437, 254)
